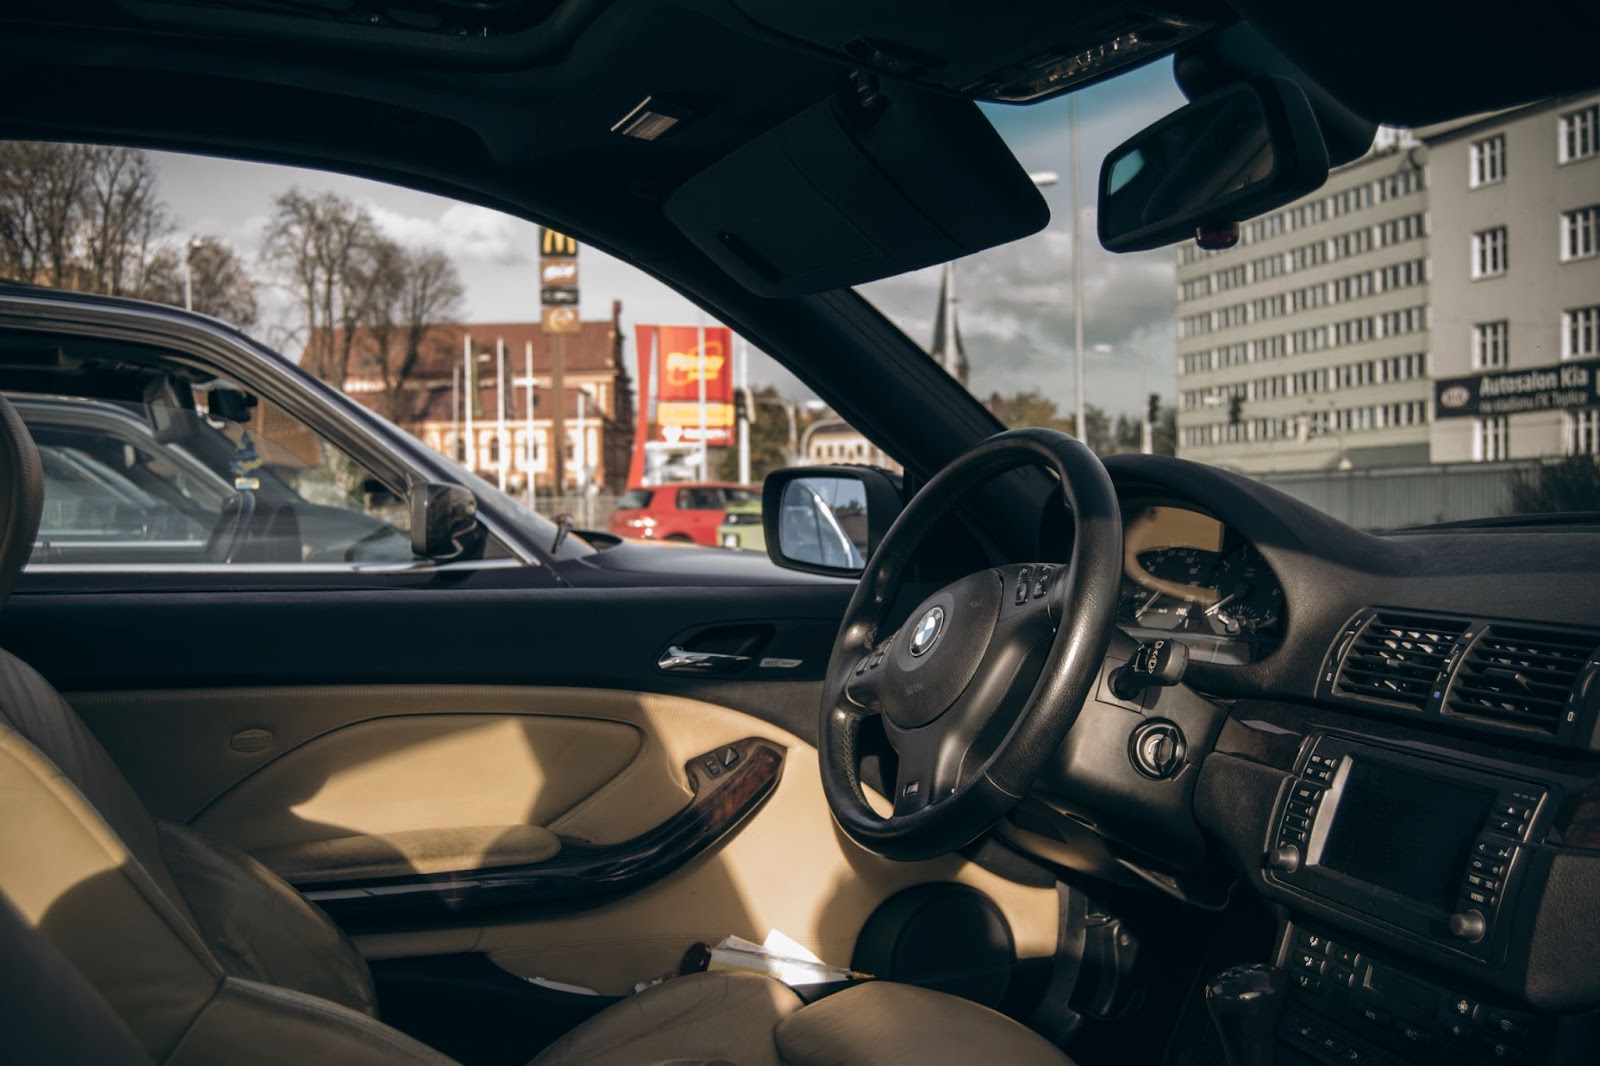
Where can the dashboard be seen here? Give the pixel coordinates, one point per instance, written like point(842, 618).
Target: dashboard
point(1188, 576)
point(1393, 741)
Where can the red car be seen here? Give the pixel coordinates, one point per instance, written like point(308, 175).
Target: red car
point(687, 513)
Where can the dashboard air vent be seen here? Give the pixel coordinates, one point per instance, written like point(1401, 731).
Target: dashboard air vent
point(1398, 658)
point(1520, 676)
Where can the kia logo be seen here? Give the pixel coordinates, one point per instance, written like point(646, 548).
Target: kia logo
point(1455, 396)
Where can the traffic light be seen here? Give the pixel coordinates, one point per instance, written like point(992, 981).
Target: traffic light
point(1153, 412)
point(741, 409)
point(1235, 410)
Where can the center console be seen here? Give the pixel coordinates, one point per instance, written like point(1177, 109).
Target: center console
point(1346, 1006)
point(1434, 850)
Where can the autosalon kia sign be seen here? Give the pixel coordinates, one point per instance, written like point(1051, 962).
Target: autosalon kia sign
point(1509, 392)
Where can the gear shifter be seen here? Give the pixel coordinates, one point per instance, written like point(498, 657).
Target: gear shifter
point(1245, 1002)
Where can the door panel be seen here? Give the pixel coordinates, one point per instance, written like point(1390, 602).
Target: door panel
point(788, 868)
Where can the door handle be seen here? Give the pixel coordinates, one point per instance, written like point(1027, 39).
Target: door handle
point(680, 660)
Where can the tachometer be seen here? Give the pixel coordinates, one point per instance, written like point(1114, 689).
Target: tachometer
point(1249, 598)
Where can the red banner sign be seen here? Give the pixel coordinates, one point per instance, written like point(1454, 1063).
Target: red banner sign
point(680, 366)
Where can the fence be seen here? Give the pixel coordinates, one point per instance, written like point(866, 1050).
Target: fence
point(588, 512)
point(1381, 498)
point(1389, 498)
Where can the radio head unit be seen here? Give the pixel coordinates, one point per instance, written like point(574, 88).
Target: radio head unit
point(1429, 847)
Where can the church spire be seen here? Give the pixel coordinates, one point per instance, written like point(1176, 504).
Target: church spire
point(947, 349)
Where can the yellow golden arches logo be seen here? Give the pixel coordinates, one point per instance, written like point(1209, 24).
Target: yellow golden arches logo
point(555, 243)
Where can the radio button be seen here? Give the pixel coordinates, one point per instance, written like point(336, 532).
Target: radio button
point(1488, 884)
point(1307, 792)
point(1516, 827)
point(1493, 849)
point(1486, 868)
point(1375, 1016)
point(1502, 1050)
point(1412, 1033)
point(1479, 897)
point(1318, 773)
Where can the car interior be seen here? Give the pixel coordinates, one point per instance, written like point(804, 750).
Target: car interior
point(986, 749)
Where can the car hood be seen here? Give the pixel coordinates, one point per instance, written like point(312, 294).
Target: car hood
point(643, 563)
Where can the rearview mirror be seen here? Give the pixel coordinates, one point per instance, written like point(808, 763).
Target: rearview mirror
point(827, 520)
point(169, 409)
point(444, 522)
point(1225, 157)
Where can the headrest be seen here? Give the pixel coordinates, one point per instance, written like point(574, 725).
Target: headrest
point(21, 496)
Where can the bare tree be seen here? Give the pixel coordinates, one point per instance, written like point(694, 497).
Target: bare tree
point(121, 218)
point(432, 296)
point(219, 283)
point(323, 247)
point(41, 209)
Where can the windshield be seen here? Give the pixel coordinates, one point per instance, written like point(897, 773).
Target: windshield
point(1374, 348)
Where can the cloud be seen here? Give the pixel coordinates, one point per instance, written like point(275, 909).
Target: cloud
point(1014, 304)
point(465, 232)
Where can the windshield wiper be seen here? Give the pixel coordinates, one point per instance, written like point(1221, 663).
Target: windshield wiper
point(563, 527)
point(1556, 518)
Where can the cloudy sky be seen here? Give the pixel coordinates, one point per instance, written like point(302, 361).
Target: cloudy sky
point(1015, 301)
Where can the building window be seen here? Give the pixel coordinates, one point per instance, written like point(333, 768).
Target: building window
point(1580, 432)
point(1489, 252)
point(1580, 332)
point(1580, 134)
point(1489, 347)
point(1580, 233)
point(1488, 160)
point(1489, 439)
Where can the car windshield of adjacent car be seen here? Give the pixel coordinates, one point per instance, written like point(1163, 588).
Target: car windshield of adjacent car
point(1415, 342)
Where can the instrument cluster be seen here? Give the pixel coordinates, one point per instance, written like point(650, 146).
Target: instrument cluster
point(1187, 576)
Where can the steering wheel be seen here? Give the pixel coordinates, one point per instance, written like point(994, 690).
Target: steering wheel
point(979, 688)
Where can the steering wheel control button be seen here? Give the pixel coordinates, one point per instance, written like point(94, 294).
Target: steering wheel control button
point(929, 626)
point(1157, 748)
point(1022, 585)
point(1041, 580)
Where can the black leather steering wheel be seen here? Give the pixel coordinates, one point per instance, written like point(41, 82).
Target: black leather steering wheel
point(978, 689)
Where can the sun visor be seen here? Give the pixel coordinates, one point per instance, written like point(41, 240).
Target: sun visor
point(864, 186)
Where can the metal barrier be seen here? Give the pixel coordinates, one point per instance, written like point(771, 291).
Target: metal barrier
point(588, 512)
point(1393, 497)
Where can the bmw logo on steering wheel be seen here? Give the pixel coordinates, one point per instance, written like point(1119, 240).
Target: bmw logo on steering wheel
point(929, 626)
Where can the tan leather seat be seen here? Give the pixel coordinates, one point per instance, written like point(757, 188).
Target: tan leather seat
point(202, 955)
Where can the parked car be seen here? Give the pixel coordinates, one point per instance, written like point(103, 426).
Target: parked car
point(172, 444)
point(741, 528)
point(688, 513)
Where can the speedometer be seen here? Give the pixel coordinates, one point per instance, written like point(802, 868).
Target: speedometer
point(1191, 568)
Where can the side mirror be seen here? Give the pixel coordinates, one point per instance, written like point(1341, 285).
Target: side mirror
point(444, 521)
point(829, 519)
point(1225, 157)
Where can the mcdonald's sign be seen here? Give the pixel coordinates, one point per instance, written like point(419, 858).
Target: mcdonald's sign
point(554, 244)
